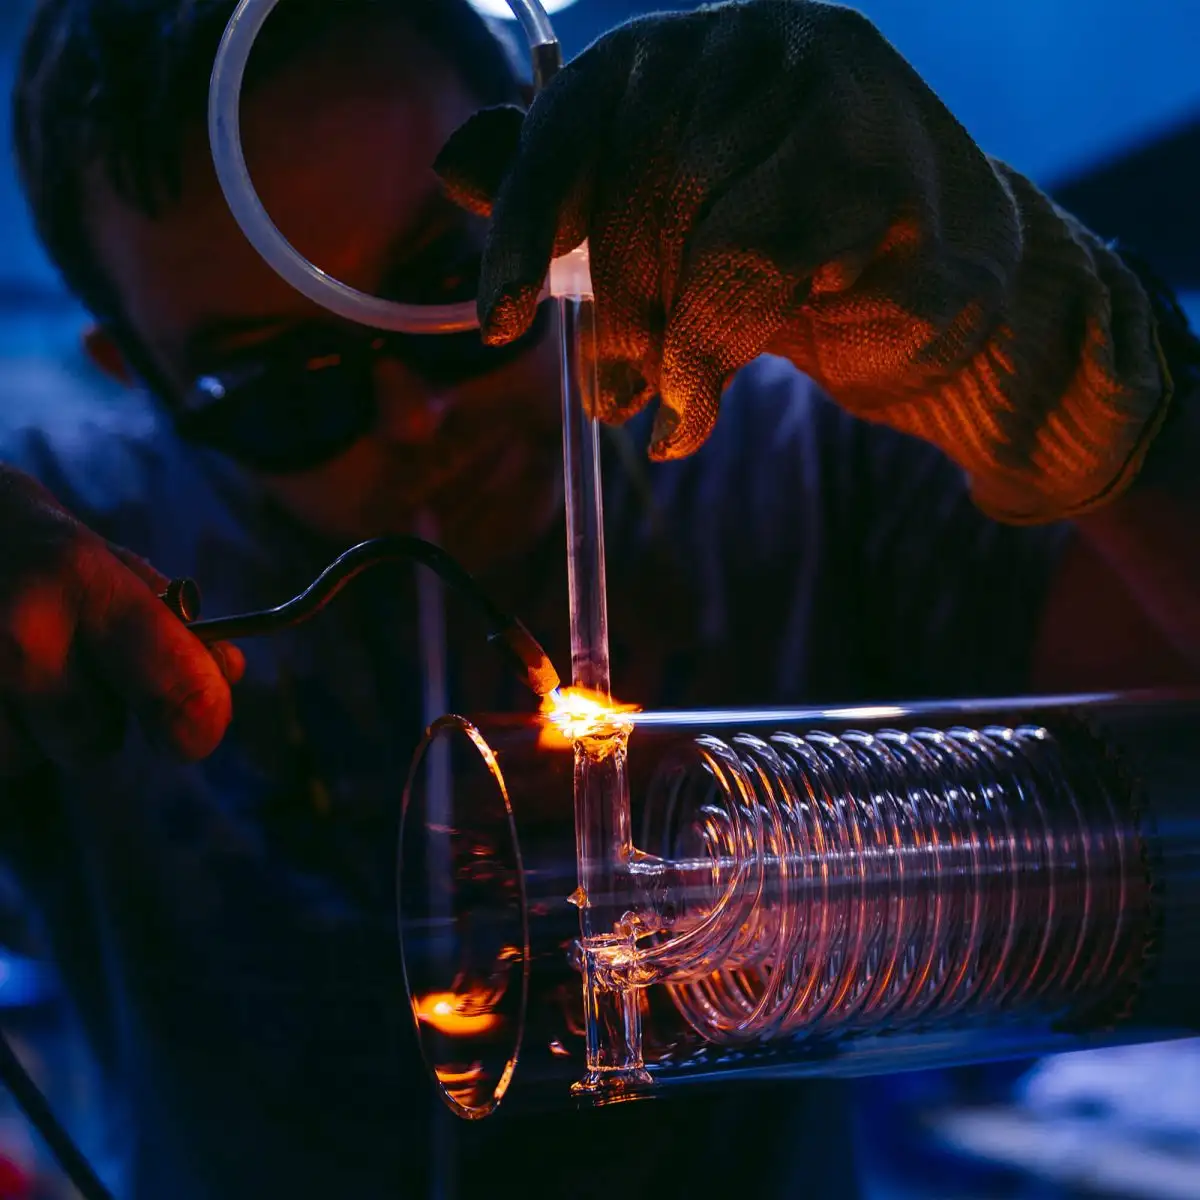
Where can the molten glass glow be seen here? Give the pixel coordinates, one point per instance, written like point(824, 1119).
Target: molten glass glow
point(453, 1015)
point(576, 713)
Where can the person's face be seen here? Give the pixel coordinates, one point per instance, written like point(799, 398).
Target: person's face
point(339, 145)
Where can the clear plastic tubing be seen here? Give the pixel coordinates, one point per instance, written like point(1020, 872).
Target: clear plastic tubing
point(224, 129)
point(819, 892)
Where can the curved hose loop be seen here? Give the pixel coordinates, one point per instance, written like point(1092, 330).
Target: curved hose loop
point(225, 138)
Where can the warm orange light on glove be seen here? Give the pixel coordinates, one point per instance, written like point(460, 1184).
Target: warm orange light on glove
point(774, 177)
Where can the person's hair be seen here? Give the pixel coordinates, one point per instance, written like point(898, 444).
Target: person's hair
point(118, 84)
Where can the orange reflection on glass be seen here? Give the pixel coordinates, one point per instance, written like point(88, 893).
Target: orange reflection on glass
point(464, 1085)
point(455, 1015)
point(453, 1077)
point(576, 713)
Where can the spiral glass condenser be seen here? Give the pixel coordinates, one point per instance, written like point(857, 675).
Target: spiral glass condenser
point(812, 892)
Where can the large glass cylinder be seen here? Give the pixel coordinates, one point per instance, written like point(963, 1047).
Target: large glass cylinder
point(808, 892)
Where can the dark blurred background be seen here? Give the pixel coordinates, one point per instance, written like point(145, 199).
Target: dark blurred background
point(1099, 102)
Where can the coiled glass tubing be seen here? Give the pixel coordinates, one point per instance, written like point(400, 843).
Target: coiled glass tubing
point(890, 879)
point(818, 892)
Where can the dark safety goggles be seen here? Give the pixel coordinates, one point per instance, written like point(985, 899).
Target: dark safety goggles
point(303, 399)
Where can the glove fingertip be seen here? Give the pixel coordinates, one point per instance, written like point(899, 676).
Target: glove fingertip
point(680, 430)
point(509, 313)
point(623, 392)
point(664, 436)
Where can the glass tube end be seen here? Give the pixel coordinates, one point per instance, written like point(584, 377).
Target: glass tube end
point(463, 918)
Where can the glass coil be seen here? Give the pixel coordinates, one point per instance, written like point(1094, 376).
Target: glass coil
point(892, 880)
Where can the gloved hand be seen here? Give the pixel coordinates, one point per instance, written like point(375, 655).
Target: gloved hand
point(773, 177)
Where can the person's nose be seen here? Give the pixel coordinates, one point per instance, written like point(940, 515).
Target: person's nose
point(410, 411)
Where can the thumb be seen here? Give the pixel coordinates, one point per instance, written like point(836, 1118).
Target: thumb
point(228, 657)
point(473, 163)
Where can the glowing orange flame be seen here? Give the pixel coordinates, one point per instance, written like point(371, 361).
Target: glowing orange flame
point(576, 713)
point(453, 1015)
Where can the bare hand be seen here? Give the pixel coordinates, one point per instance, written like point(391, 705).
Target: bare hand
point(85, 643)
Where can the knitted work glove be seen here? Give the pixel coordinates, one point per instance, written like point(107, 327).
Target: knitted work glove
point(773, 177)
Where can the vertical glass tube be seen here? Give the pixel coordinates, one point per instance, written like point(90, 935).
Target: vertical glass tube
point(604, 844)
point(582, 481)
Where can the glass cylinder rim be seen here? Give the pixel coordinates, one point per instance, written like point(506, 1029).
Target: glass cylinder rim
point(449, 725)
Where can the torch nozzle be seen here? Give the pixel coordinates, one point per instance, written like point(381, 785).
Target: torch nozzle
point(533, 664)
